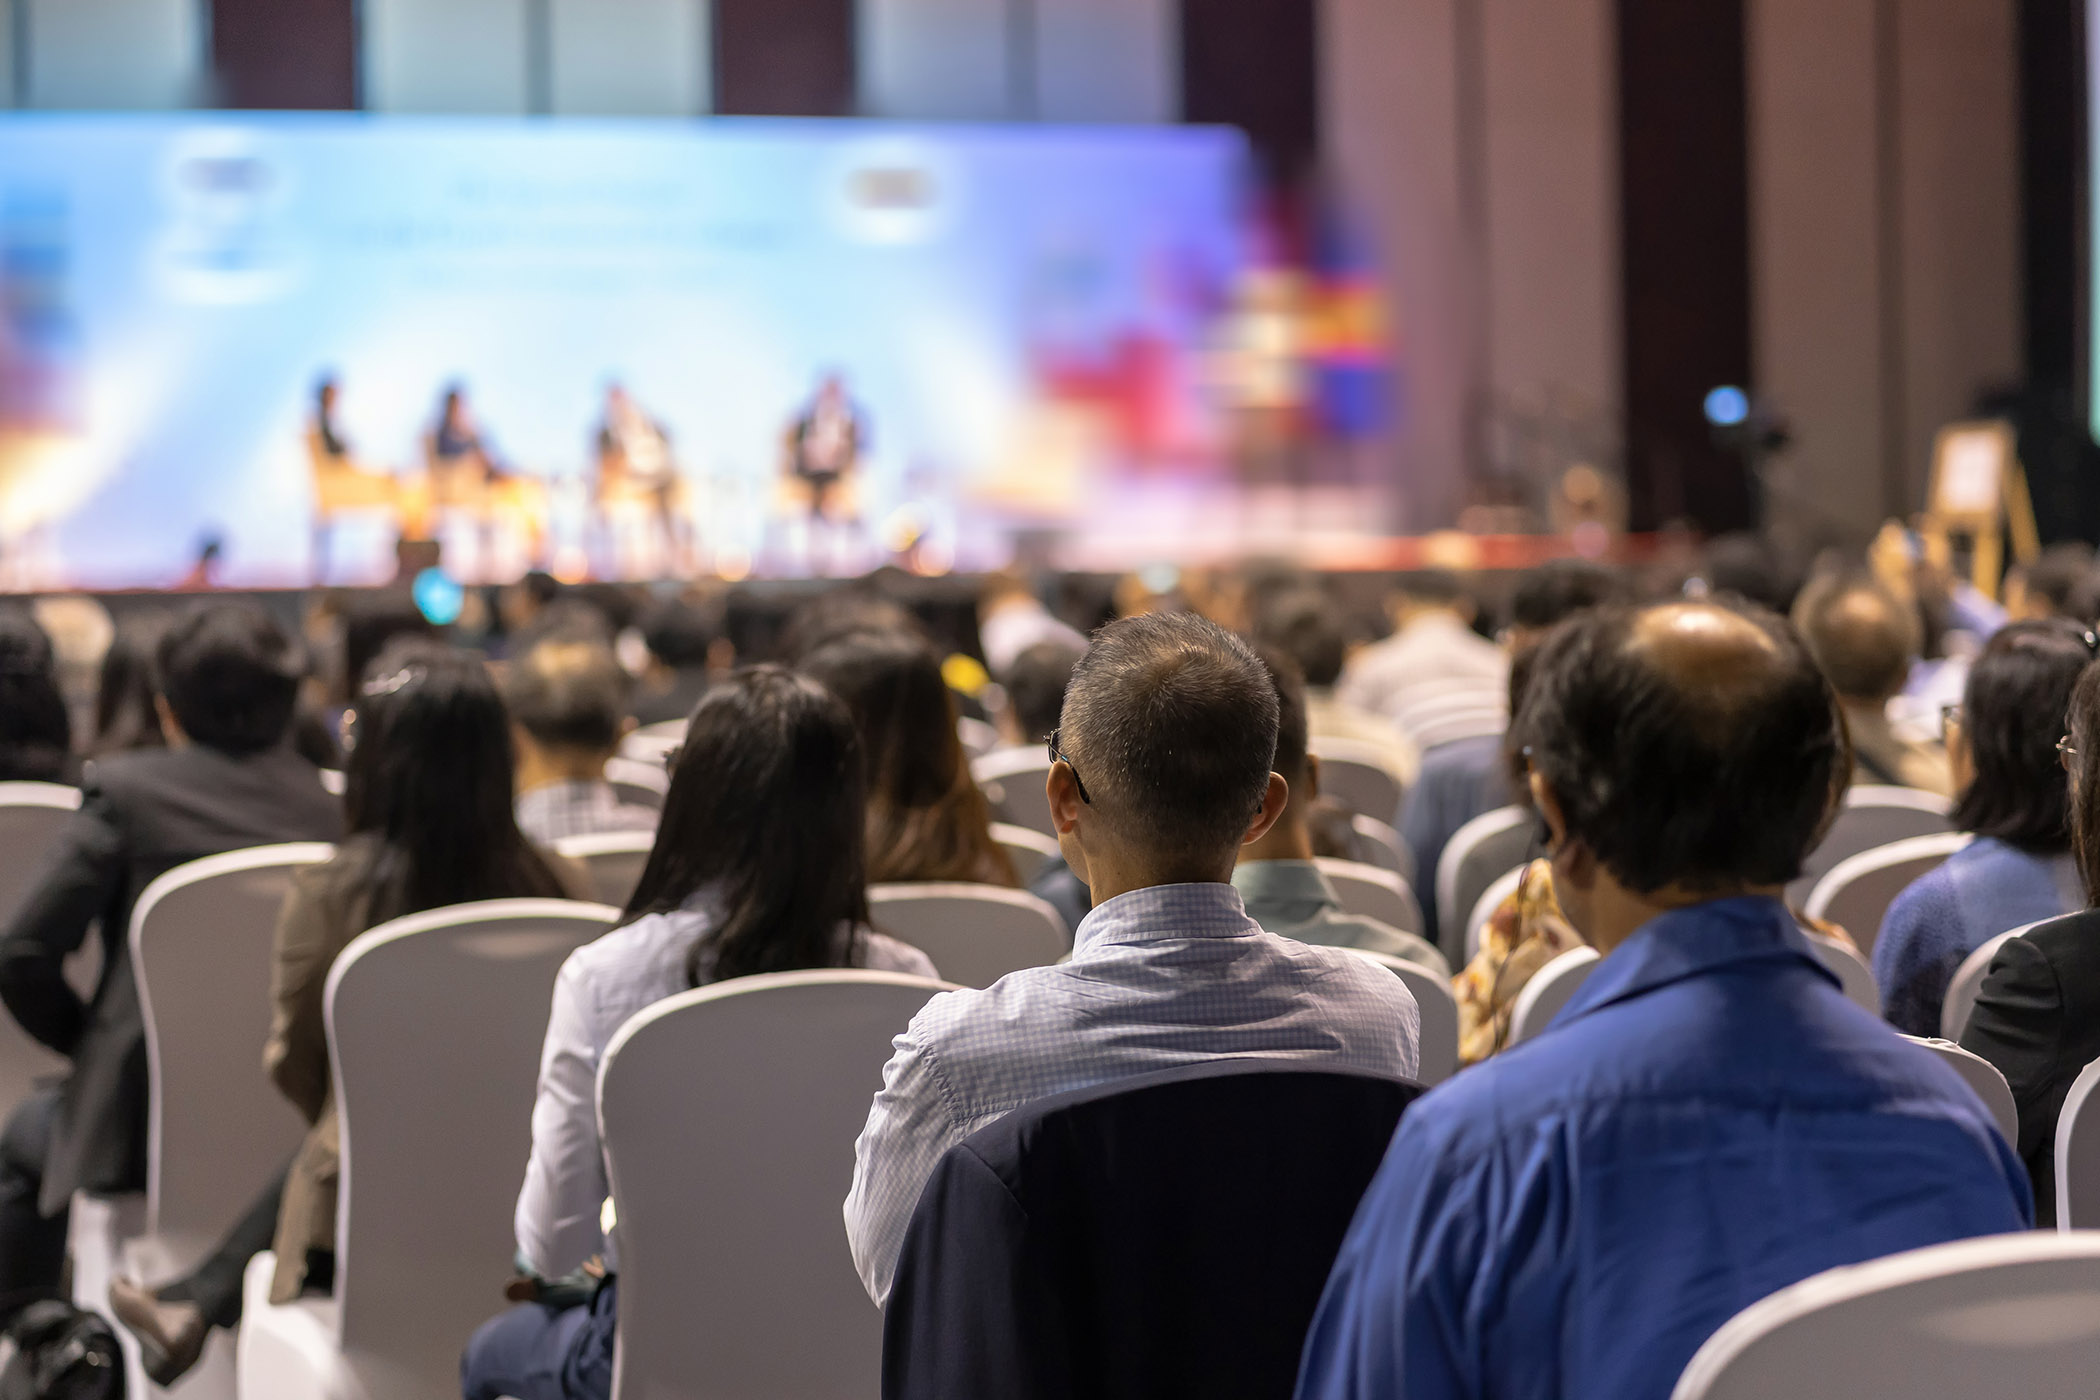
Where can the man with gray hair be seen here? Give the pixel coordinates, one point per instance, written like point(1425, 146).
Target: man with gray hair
point(568, 706)
point(1160, 773)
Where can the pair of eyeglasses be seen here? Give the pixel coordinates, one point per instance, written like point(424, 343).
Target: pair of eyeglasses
point(1058, 755)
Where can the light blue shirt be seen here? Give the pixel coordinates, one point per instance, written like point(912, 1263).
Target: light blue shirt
point(1707, 1121)
point(1158, 978)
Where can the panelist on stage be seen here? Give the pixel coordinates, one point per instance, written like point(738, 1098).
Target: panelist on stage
point(825, 445)
point(340, 484)
point(636, 468)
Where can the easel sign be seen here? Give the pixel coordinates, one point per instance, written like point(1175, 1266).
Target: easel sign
point(1979, 490)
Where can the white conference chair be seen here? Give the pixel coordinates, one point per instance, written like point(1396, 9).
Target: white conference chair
point(1484, 908)
point(1439, 1008)
point(613, 860)
point(1851, 970)
point(1029, 850)
point(435, 1023)
point(202, 943)
point(2078, 1153)
point(975, 934)
point(31, 817)
point(1967, 982)
point(638, 783)
point(1012, 780)
point(1377, 843)
point(1873, 814)
point(1373, 893)
point(2015, 1315)
point(1982, 1076)
point(729, 1115)
point(1549, 989)
point(652, 743)
point(1478, 853)
point(1858, 891)
point(1354, 774)
point(977, 737)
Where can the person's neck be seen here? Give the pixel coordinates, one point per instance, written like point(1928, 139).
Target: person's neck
point(1287, 840)
point(1108, 878)
point(1617, 913)
point(538, 767)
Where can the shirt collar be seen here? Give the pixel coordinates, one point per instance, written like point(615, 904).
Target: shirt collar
point(1283, 882)
point(1211, 909)
point(1692, 942)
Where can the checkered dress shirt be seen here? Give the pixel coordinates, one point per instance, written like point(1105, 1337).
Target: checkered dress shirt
point(578, 808)
point(1159, 978)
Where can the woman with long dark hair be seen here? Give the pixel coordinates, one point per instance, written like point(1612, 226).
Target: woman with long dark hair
point(926, 818)
point(36, 734)
point(430, 824)
point(758, 867)
point(2037, 1017)
point(127, 714)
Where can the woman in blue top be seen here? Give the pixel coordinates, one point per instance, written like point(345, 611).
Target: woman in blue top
point(2002, 746)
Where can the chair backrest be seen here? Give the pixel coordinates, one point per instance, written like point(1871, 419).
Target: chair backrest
point(1873, 815)
point(1484, 908)
point(2015, 1315)
point(1013, 780)
point(1353, 774)
point(202, 945)
point(1550, 988)
point(1982, 1076)
point(1851, 969)
point(1439, 1042)
point(652, 742)
point(613, 860)
point(435, 1024)
point(1478, 853)
point(1859, 889)
point(1967, 981)
point(975, 934)
point(1373, 893)
point(31, 816)
point(1036, 1253)
point(2078, 1153)
point(638, 783)
point(729, 1115)
point(978, 738)
point(1029, 850)
point(1377, 843)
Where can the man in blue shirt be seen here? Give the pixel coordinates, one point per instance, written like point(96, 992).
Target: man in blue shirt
point(1709, 1119)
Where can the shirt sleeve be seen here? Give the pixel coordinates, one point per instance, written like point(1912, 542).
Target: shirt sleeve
point(565, 1186)
point(909, 1126)
point(78, 878)
point(2018, 1025)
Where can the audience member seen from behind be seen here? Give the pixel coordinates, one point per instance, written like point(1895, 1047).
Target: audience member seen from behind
point(1035, 692)
point(568, 706)
point(1435, 677)
point(228, 779)
point(758, 867)
point(2037, 1017)
point(127, 701)
point(36, 733)
point(2052, 585)
point(1709, 1119)
point(2018, 870)
point(926, 818)
point(1281, 887)
point(1162, 774)
point(1306, 625)
point(430, 824)
point(689, 649)
point(1866, 640)
point(1011, 620)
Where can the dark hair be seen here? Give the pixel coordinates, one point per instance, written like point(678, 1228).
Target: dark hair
point(1306, 626)
point(430, 785)
point(1432, 586)
point(371, 622)
point(680, 634)
point(568, 618)
point(1293, 736)
point(36, 734)
point(2013, 712)
point(926, 818)
point(2056, 575)
point(842, 613)
point(231, 675)
point(125, 714)
point(1745, 567)
point(1560, 588)
point(2084, 731)
point(1035, 686)
point(1860, 634)
point(1171, 723)
point(1720, 773)
point(568, 695)
point(765, 815)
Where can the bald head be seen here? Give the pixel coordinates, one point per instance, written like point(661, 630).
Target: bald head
point(1689, 745)
point(1863, 636)
point(569, 696)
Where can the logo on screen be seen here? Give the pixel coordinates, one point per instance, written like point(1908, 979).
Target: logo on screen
point(225, 243)
point(893, 191)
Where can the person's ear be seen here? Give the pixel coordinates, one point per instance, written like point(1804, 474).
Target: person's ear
point(1063, 794)
point(1312, 779)
point(1572, 860)
point(1273, 800)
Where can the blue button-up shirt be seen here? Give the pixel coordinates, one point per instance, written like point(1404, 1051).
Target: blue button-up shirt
point(1159, 978)
point(1707, 1121)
